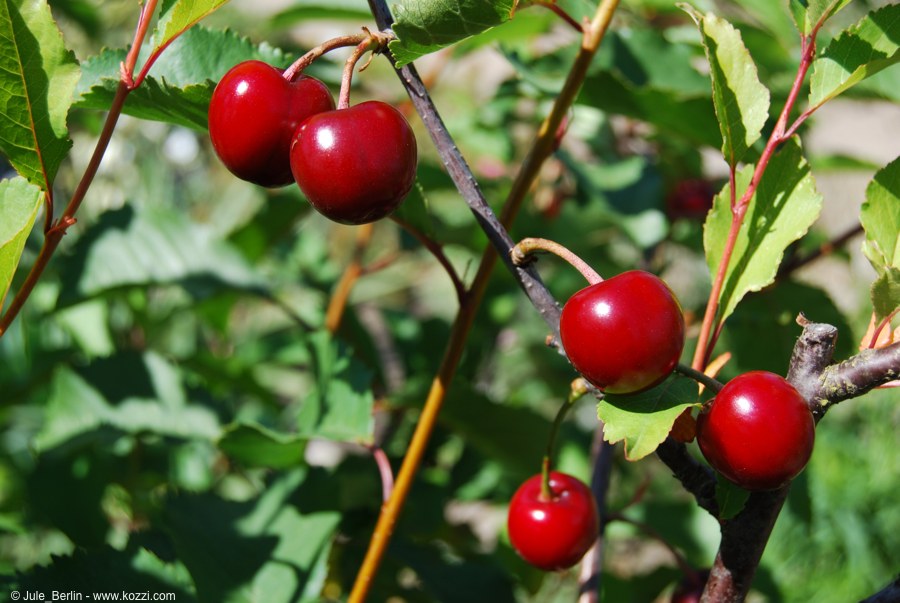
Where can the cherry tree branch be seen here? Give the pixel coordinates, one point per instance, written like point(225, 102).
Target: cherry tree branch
point(889, 594)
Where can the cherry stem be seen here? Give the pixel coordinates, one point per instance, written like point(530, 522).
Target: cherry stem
point(885, 322)
point(522, 251)
point(375, 42)
point(384, 470)
point(710, 328)
point(291, 73)
point(560, 12)
point(578, 389)
point(700, 377)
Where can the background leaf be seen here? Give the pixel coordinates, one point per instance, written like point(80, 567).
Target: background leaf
point(180, 83)
point(425, 26)
point(257, 446)
point(19, 204)
point(37, 77)
point(644, 420)
point(810, 13)
point(785, 205)
point(873, 44)
point(741, 101)
point(880, 217)
point(178, 16)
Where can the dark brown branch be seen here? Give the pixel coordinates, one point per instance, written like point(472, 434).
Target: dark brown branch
point(889, 594)
point(857, 375)
point(697, 478)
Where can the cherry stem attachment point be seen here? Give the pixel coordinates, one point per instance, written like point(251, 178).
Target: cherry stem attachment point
point(700, 377)
point(578, 389)
point(522, 251)
point(375, 42)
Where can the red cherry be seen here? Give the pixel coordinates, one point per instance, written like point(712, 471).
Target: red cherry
point(624, 334)
point(690, 199)
point(758, 431)
point(253, 114)
point(355, 165)
point(553, 533)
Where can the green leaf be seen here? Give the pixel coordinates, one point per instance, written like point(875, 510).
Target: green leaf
point(78, 406)
point(178, 16)
point(256, 446)
point(154, 246)
point(861, 51)
point(644, 420)
point(19, 204)
point(810, 14)
point(741, 101)
point(265, 549)
point(880, 217)
point(340, 405)
point(37, 77)
point(886, 292)
point(426, 26)
point(181, 82)
point(730, 497)
point(785, 205)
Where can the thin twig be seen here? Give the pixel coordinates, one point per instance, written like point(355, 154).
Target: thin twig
point(437, 251)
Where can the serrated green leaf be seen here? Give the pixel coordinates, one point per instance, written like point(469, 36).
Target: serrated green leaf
point(785, 205)
point(880, 217)
point(731, 498)
point(644, 420)
point(153, 246)
point(740, 100)
point(426, 26)
point(809, 14)
point(265, 549)
point(37, 77)
point(178, 16)
point(871, 45)
point(886, 292)
point(19, 204)
point(256, 446)
point(181, 82)
point(340, 406)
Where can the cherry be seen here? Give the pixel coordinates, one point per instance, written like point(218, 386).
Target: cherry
point(690, 199)
point(758, 431)
point(356, 164)
point(553, 533)
point(253, 114)
point(624, 334)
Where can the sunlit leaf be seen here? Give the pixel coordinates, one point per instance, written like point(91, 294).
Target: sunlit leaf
point(785, 205)
point(741, 101)
point(644, 420)
point(19, 204)
point(871, 45)
point(37, 77)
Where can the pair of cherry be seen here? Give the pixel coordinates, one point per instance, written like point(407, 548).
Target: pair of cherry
point(353, 164)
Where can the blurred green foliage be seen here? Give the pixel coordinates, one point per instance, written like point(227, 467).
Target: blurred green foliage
point(175, 418)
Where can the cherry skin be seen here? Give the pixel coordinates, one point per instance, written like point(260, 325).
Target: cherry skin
point(758, 431)
point(253, 114)
point(690, 199)
point(624, 334)
point(355, 165)
point(554, 533)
